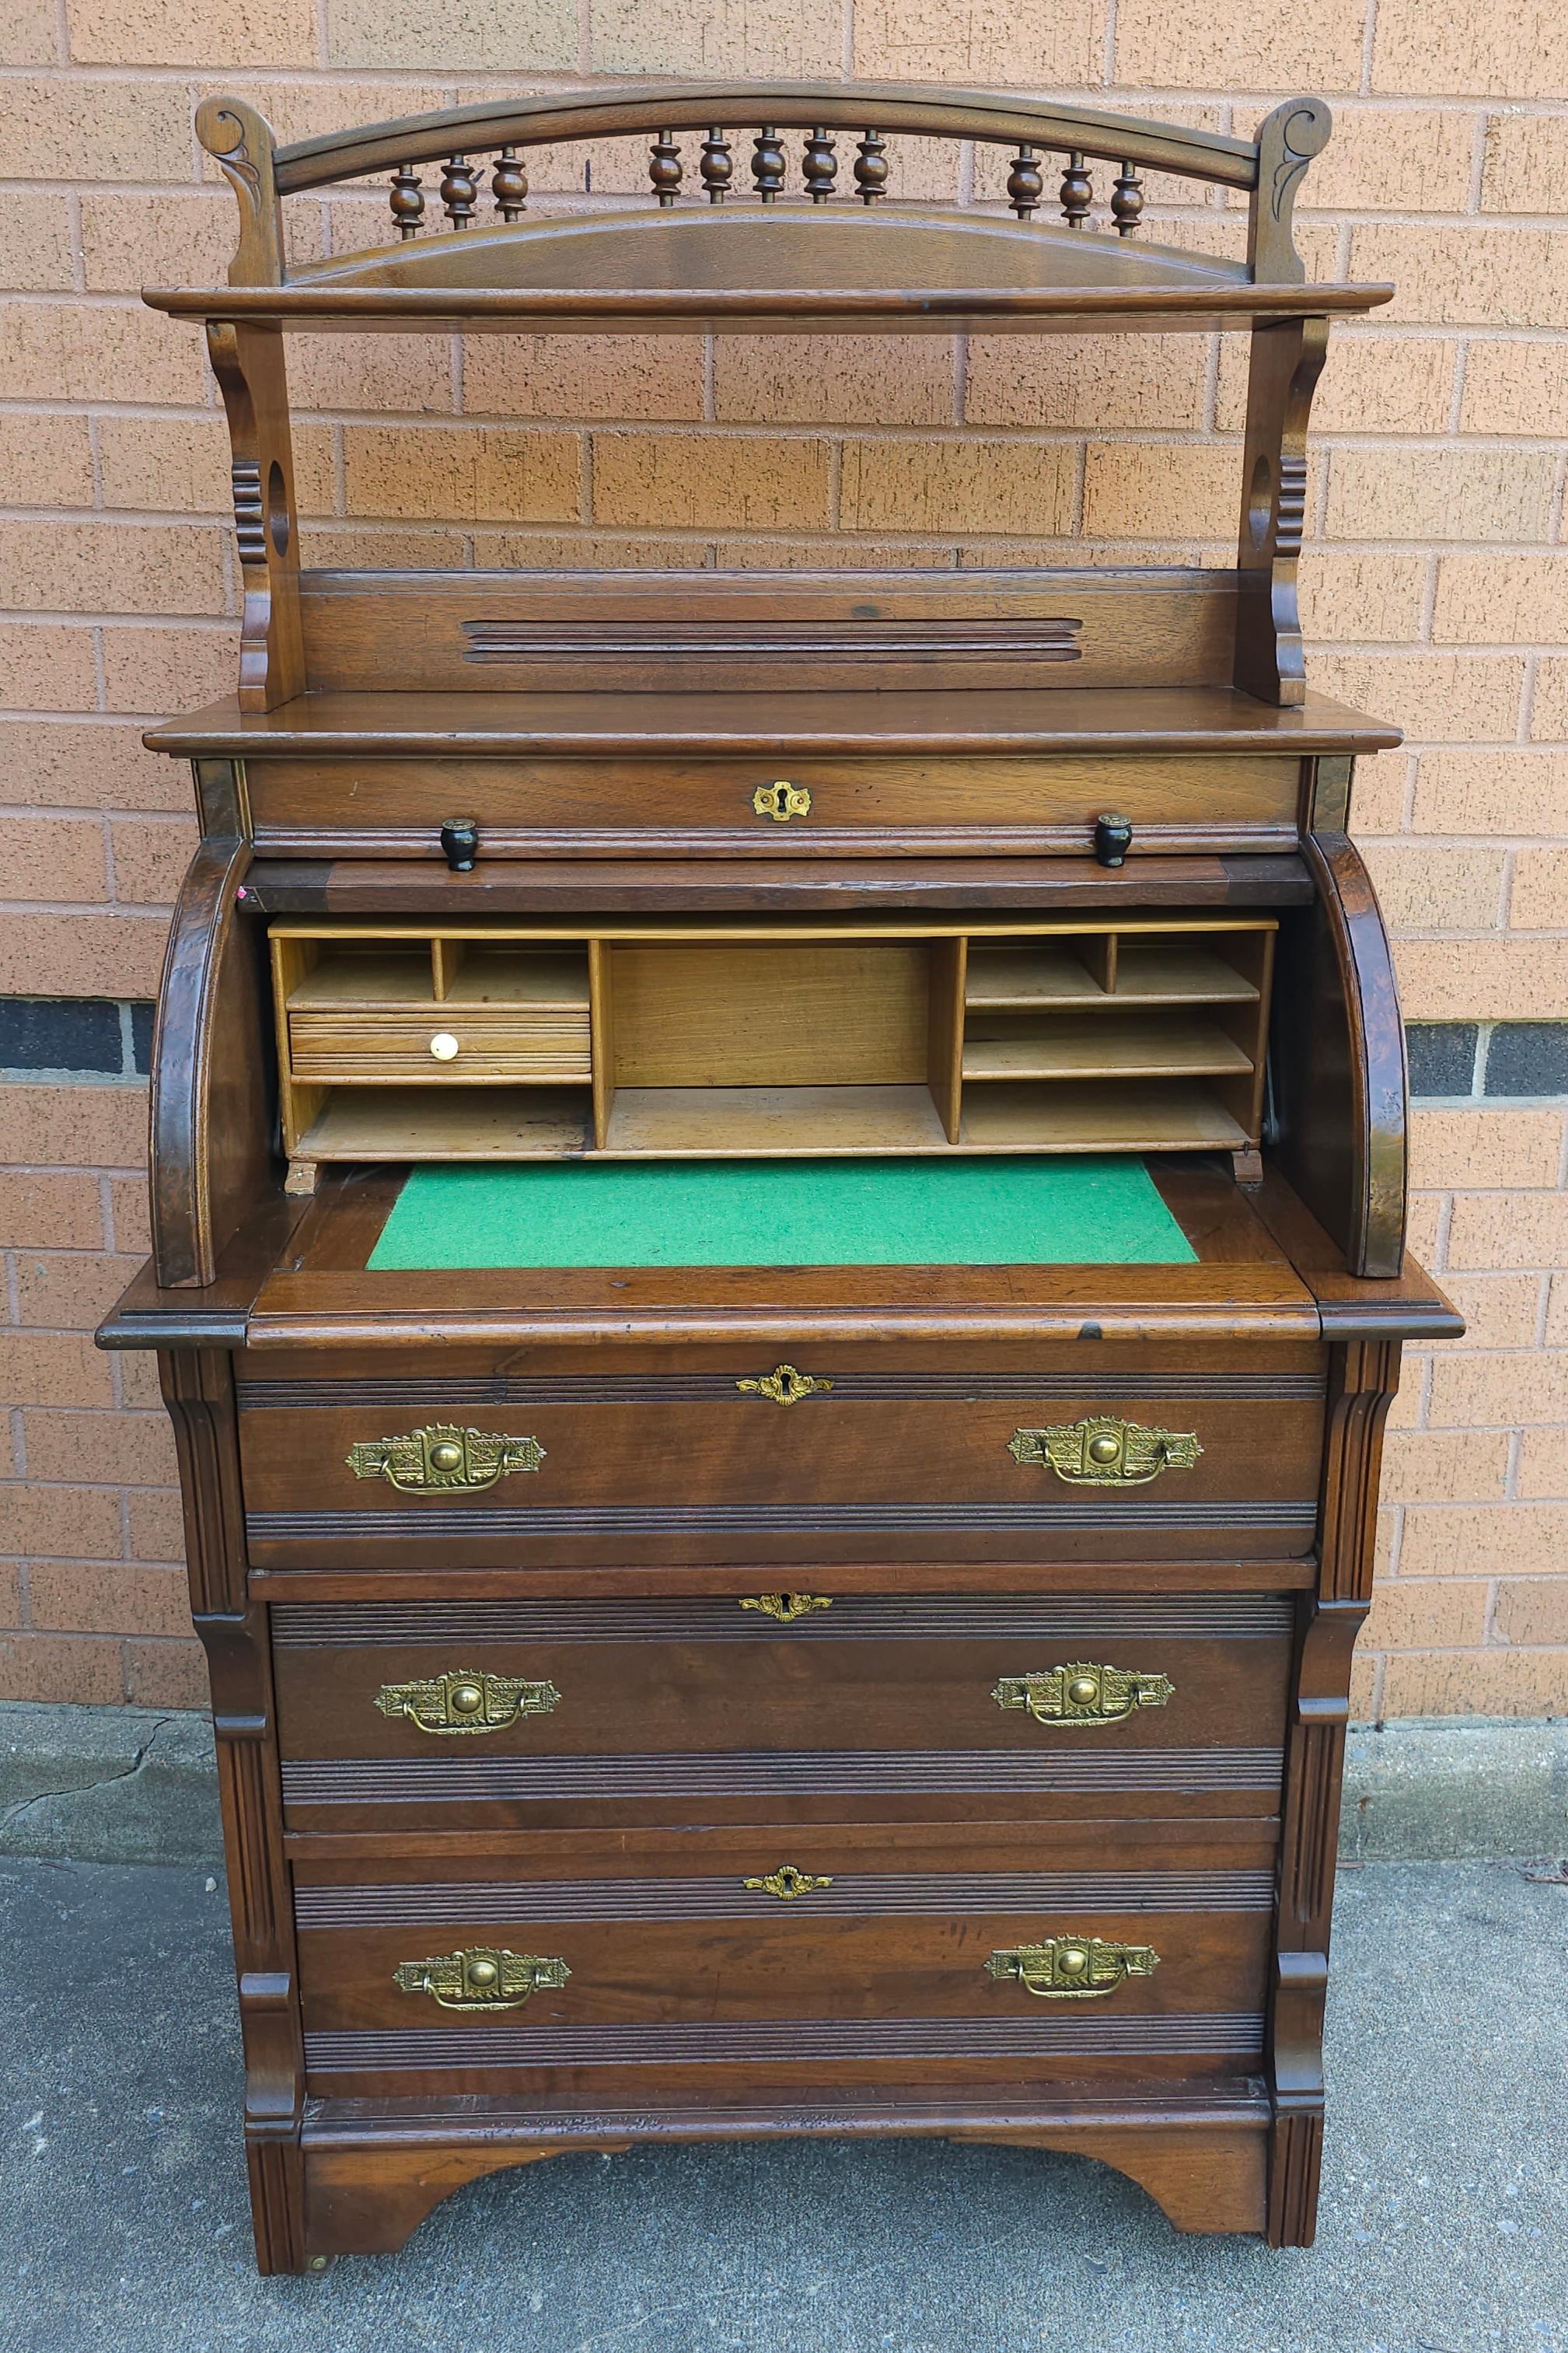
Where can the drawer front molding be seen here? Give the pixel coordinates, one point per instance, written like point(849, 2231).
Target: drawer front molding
point(863, 1895)
point(1237, 2035)
point(767, 1772)
point(854, 1617)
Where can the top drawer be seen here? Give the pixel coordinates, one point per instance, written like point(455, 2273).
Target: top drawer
point(749, 807)
point(669, 1459)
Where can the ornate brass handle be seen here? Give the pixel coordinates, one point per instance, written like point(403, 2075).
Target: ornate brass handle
point(1072, 1968)
point(782, 800)
point(786, 1384)
point(481, 1977)
point(788, 1882)
point(787, 1606)
point(1081, 1693)
point(460, 1702)
point(1099, 1451)
point(443, 1460)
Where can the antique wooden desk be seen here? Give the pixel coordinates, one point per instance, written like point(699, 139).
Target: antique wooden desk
point(779, 1254)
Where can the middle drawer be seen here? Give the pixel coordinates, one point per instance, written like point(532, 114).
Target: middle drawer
point(467, 1712)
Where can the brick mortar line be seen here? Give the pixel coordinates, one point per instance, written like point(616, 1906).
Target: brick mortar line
point(477, 84)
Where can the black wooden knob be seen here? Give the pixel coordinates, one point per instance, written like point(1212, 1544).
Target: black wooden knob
point(1113, 839)
point(460, 843)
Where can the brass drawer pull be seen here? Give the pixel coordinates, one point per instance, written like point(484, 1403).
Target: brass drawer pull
point(786, 1385)
point(1099, 1451)
point(443, 1460)
point(787, 1606)
point(1082, 1694)
point(459, 1702)
point(782, 800)
point(479, 1977)
point(788, 1882)
point(1072, 1968)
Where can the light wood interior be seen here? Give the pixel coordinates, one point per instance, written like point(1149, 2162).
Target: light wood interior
point(415, 1042)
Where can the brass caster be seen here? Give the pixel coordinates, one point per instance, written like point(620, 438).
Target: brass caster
point(317, 2266)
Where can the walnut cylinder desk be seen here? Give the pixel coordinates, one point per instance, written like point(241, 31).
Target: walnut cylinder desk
point(778, 1232)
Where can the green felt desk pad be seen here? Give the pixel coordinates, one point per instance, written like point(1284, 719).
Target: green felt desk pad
point(971, 1212)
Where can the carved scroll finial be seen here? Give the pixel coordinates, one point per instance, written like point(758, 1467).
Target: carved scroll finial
point(1287, 141)
point(241, 142)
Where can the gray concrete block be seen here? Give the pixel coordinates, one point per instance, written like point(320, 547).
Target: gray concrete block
point(1445, 1791)
point(107, 1784)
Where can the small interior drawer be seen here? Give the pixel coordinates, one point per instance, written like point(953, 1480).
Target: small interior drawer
point(442, 1043)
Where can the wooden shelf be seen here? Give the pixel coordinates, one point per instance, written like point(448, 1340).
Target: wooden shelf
point(1086, 1046)
point(932, 721)
point(516, 976)
point(1171, 1115)
point(794, 1122)
point(1149, 972)
point(911, 269)
point(411, 1123)
point(375, 976)
point(384, 1123)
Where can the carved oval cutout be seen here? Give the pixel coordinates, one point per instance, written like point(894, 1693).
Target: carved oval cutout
point(276, 508)
point(1260, 501)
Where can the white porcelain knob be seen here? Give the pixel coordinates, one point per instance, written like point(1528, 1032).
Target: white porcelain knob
point(444, 1046)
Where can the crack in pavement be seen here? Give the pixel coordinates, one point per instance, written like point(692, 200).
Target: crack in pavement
point(13, 1813)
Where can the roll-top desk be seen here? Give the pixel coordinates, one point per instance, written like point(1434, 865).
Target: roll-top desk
point(778, 1233)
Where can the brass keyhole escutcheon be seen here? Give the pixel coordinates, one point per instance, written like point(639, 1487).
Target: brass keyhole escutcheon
point(781, 800)
point(786, 1608)
point(786, 1385)
point(788, 1882)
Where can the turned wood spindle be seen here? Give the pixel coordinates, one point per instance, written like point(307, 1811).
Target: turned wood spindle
point(664, 168)
point(1126, 201)
point(819, 166)
point(509, 184)
point(767, 164)
point(871, 166)
point(407, 200)
point(1077, 192)
point(717, 167)
point(459, 191)
point(1026, 183)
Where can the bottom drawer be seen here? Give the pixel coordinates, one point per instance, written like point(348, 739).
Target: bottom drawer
point(793, 1950)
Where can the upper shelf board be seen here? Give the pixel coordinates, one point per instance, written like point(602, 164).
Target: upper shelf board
point(908, 268)
point(423, 726)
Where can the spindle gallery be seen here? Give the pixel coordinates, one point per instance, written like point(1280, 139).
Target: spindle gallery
point(778, 1228)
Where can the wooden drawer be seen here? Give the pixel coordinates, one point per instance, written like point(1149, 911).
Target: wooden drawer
point(461, 1714)
point(760, 807)
point(442, 1043)
point(773, 1950)
point(663, 1459)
